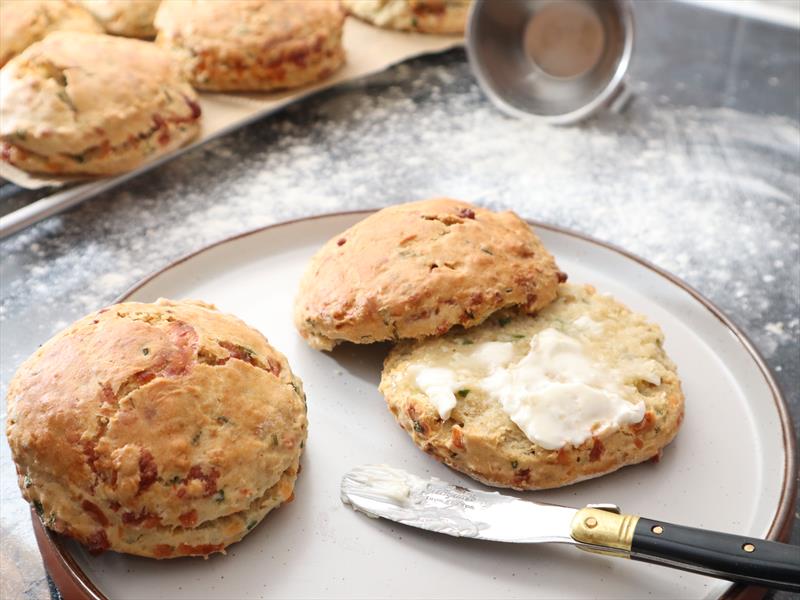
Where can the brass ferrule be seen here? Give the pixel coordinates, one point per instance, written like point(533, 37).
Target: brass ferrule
point(609, 532)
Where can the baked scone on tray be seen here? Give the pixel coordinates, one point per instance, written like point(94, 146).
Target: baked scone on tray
point(130, 18)
point(253, 45)
point(424, 16)
point(418, 269)
point(532, 402)
point(65, 111)
point(23, 22)
point(163, 430)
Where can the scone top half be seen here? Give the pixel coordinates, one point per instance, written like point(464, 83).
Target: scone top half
point(163, 430)
point(532, 402)
point(93, 103)
point(418, 269)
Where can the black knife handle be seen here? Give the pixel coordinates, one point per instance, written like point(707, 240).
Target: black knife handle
point(734, 557)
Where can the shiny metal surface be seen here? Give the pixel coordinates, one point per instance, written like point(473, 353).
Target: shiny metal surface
point(432, 504)
point(559, 61)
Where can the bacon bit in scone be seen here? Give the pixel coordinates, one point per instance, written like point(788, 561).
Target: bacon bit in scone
point(645, 424)
point(114, 505)
point(98, 542)
point(209, 480)
point(466, 213)
point(148, 470)
point(597, 450)
point(562, 277)
point(563, 457)
point(163, 550)
point(144, 517)
point(194, 107)
point(638, 443)
point(188, 519)
point(522, 476)
point(341, 242)
point(656, 457)
point(201, 550)
point(95, 512)
point(457, 437)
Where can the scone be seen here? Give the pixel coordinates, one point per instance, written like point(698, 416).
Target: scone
point(63, 110)
point(241, 45)
point(23, 22)
point(577, 391)
point(162, 430)
point(426, 16)
point(418, 269)
point(131, 18)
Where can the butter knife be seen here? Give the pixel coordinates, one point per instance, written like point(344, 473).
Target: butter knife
point(389, 493)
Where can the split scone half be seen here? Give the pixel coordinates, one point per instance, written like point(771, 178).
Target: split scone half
point(23, 22)
point(425, 16)
point(93, 104)
point(526, 402)
point(417, 269)
point(162, 430)
point(131, 18)
point(253, 45)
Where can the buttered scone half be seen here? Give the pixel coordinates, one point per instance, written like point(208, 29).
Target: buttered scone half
point(131, 18)
point(417, 269)
point(258, 45)
point(163, 430)
point(93, 104)
point(23, 22)
point(577, 391)
point(426, 16)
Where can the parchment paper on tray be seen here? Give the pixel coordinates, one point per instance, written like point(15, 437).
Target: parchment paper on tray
point(369, 50)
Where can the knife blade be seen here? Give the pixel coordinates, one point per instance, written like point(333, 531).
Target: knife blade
point(380, 491)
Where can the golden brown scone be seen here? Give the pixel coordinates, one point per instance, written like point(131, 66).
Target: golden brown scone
point(417, 269)
point(425, 16)
point(64, 111)
point(162, 430)
point(131, 18)
point(23, 22)
point(479, 437)
point(241, 45)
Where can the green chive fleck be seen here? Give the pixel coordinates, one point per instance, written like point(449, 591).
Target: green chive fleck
point(220, 496)
point(467, 342)
point(145, 351)
point(222, 419)
point(462, 393)
point(503, 321)
point(196, 438)
point(418, 428)
point(38, 507)
point(27, 481)
point(514, 464)
point(250, 525)
point(274, 440)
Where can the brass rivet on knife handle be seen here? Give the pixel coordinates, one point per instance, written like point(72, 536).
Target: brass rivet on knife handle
point(611, 531)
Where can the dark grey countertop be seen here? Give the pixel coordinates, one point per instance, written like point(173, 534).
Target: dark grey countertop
point(700, 174)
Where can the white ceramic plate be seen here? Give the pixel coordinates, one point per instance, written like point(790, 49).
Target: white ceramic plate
point(727, 469)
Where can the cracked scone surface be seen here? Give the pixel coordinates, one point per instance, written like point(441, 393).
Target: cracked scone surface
point(27, 21)
point(63, 111)
point(162, 430)
point(131, 18)
point(425, 16)
point(417, 269)
point(241, 45)
point(480, 440)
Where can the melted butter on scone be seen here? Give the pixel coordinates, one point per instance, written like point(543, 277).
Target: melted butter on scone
point(556, 393)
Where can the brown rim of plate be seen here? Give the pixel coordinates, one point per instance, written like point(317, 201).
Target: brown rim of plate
point(76, 584)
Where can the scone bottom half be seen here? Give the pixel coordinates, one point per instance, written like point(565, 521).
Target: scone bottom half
point(161, 430)
point(418, 269)
point(480, 439)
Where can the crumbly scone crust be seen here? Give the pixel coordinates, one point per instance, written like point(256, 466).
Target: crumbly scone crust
point(27, 21)
point(425, 16)
point(258, 45)
point(480, 440)
point(418, 269)
point(131, 18)
point(62, 111)
point(163, 430)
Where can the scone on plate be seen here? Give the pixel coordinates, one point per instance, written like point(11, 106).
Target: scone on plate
point(23, 22)
point(131, 18)
point(162, 430)
point(577, 391)
point(426, 16)
point(83, 103)
point(258, 45)
point(417, 269)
